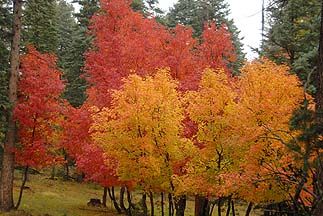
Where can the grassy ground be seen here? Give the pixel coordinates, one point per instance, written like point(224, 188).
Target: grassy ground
point(45, 197)
point(48, 197)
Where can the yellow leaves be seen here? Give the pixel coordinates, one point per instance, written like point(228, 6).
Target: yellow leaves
point(268, 94)
point(242, 123)
point(211, 105)
point(142, 128)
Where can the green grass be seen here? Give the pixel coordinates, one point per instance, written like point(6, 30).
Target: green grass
point(48, 197)
point(58, 198)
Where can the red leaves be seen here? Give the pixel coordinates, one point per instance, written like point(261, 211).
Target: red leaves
point(38, 110)
point(127, 43)
point(217, 50)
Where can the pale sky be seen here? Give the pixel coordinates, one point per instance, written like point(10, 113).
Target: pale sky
point(247, 17)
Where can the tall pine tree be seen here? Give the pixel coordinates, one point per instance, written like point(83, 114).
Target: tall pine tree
point(41, 25)
point(292, 37)
point(5, 35)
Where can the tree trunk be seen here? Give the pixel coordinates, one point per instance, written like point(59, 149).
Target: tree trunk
point(229, 207)
point(152, 207)
point(319, 118)
point(129, 211)
point(24, 179)
point(219, 206)
point(201, 204)
point(8, 161)
point(233, 209)
point(249, 208)
point(170, 205)
point(180, 205)
point(144, 204)
point(113, 198)
point(212, 208)
point(162, 203)
point(67, 167)
point(121, 199)
point(104, 197)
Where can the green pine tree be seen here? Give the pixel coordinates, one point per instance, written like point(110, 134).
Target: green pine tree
point(40, 25)
point(72, 44)
point(5, 35)
point(292, 36)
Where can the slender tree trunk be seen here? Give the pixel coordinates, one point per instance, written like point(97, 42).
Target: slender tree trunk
point(201, 204)
point(229, 207)
point(144, 204)
point(24, 179)
point(113, 198)
point(249, 208)
point(121, 199)
point(212, 208)
point(8, 162)
point(104, 197)
point(129, 213)
point(219, 206)
point(180, 205)
point(152, 207)
point(233, 209)
point(319, 118)
point(170, 205)
point(162, 203)
point(67, 167)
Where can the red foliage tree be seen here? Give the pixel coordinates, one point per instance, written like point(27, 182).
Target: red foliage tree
point(38, 110)
point(127, 43)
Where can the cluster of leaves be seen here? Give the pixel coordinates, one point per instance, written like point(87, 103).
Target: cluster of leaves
point(195, 13)
point(142, 131)
point(38, 110)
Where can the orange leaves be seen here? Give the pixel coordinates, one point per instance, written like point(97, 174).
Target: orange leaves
point(243, 123)
point(269, 94)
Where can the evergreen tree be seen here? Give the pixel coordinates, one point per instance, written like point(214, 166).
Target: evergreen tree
point(87, 10)
point(5, 35)
point(72, 44)
point(195, 13)
point(80, 43)
point(292, 37)
point(40, 25)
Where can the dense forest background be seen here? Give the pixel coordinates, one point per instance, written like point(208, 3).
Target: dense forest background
point(259, 122)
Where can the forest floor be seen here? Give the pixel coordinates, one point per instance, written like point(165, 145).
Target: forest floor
point(54, 197)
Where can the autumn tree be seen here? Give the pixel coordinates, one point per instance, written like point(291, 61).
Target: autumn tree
point(211, 107)
point(38, 112)
point(126, 43)
point(142, 132)
point(195, 14)
point(268, 96)
point(250, 113)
